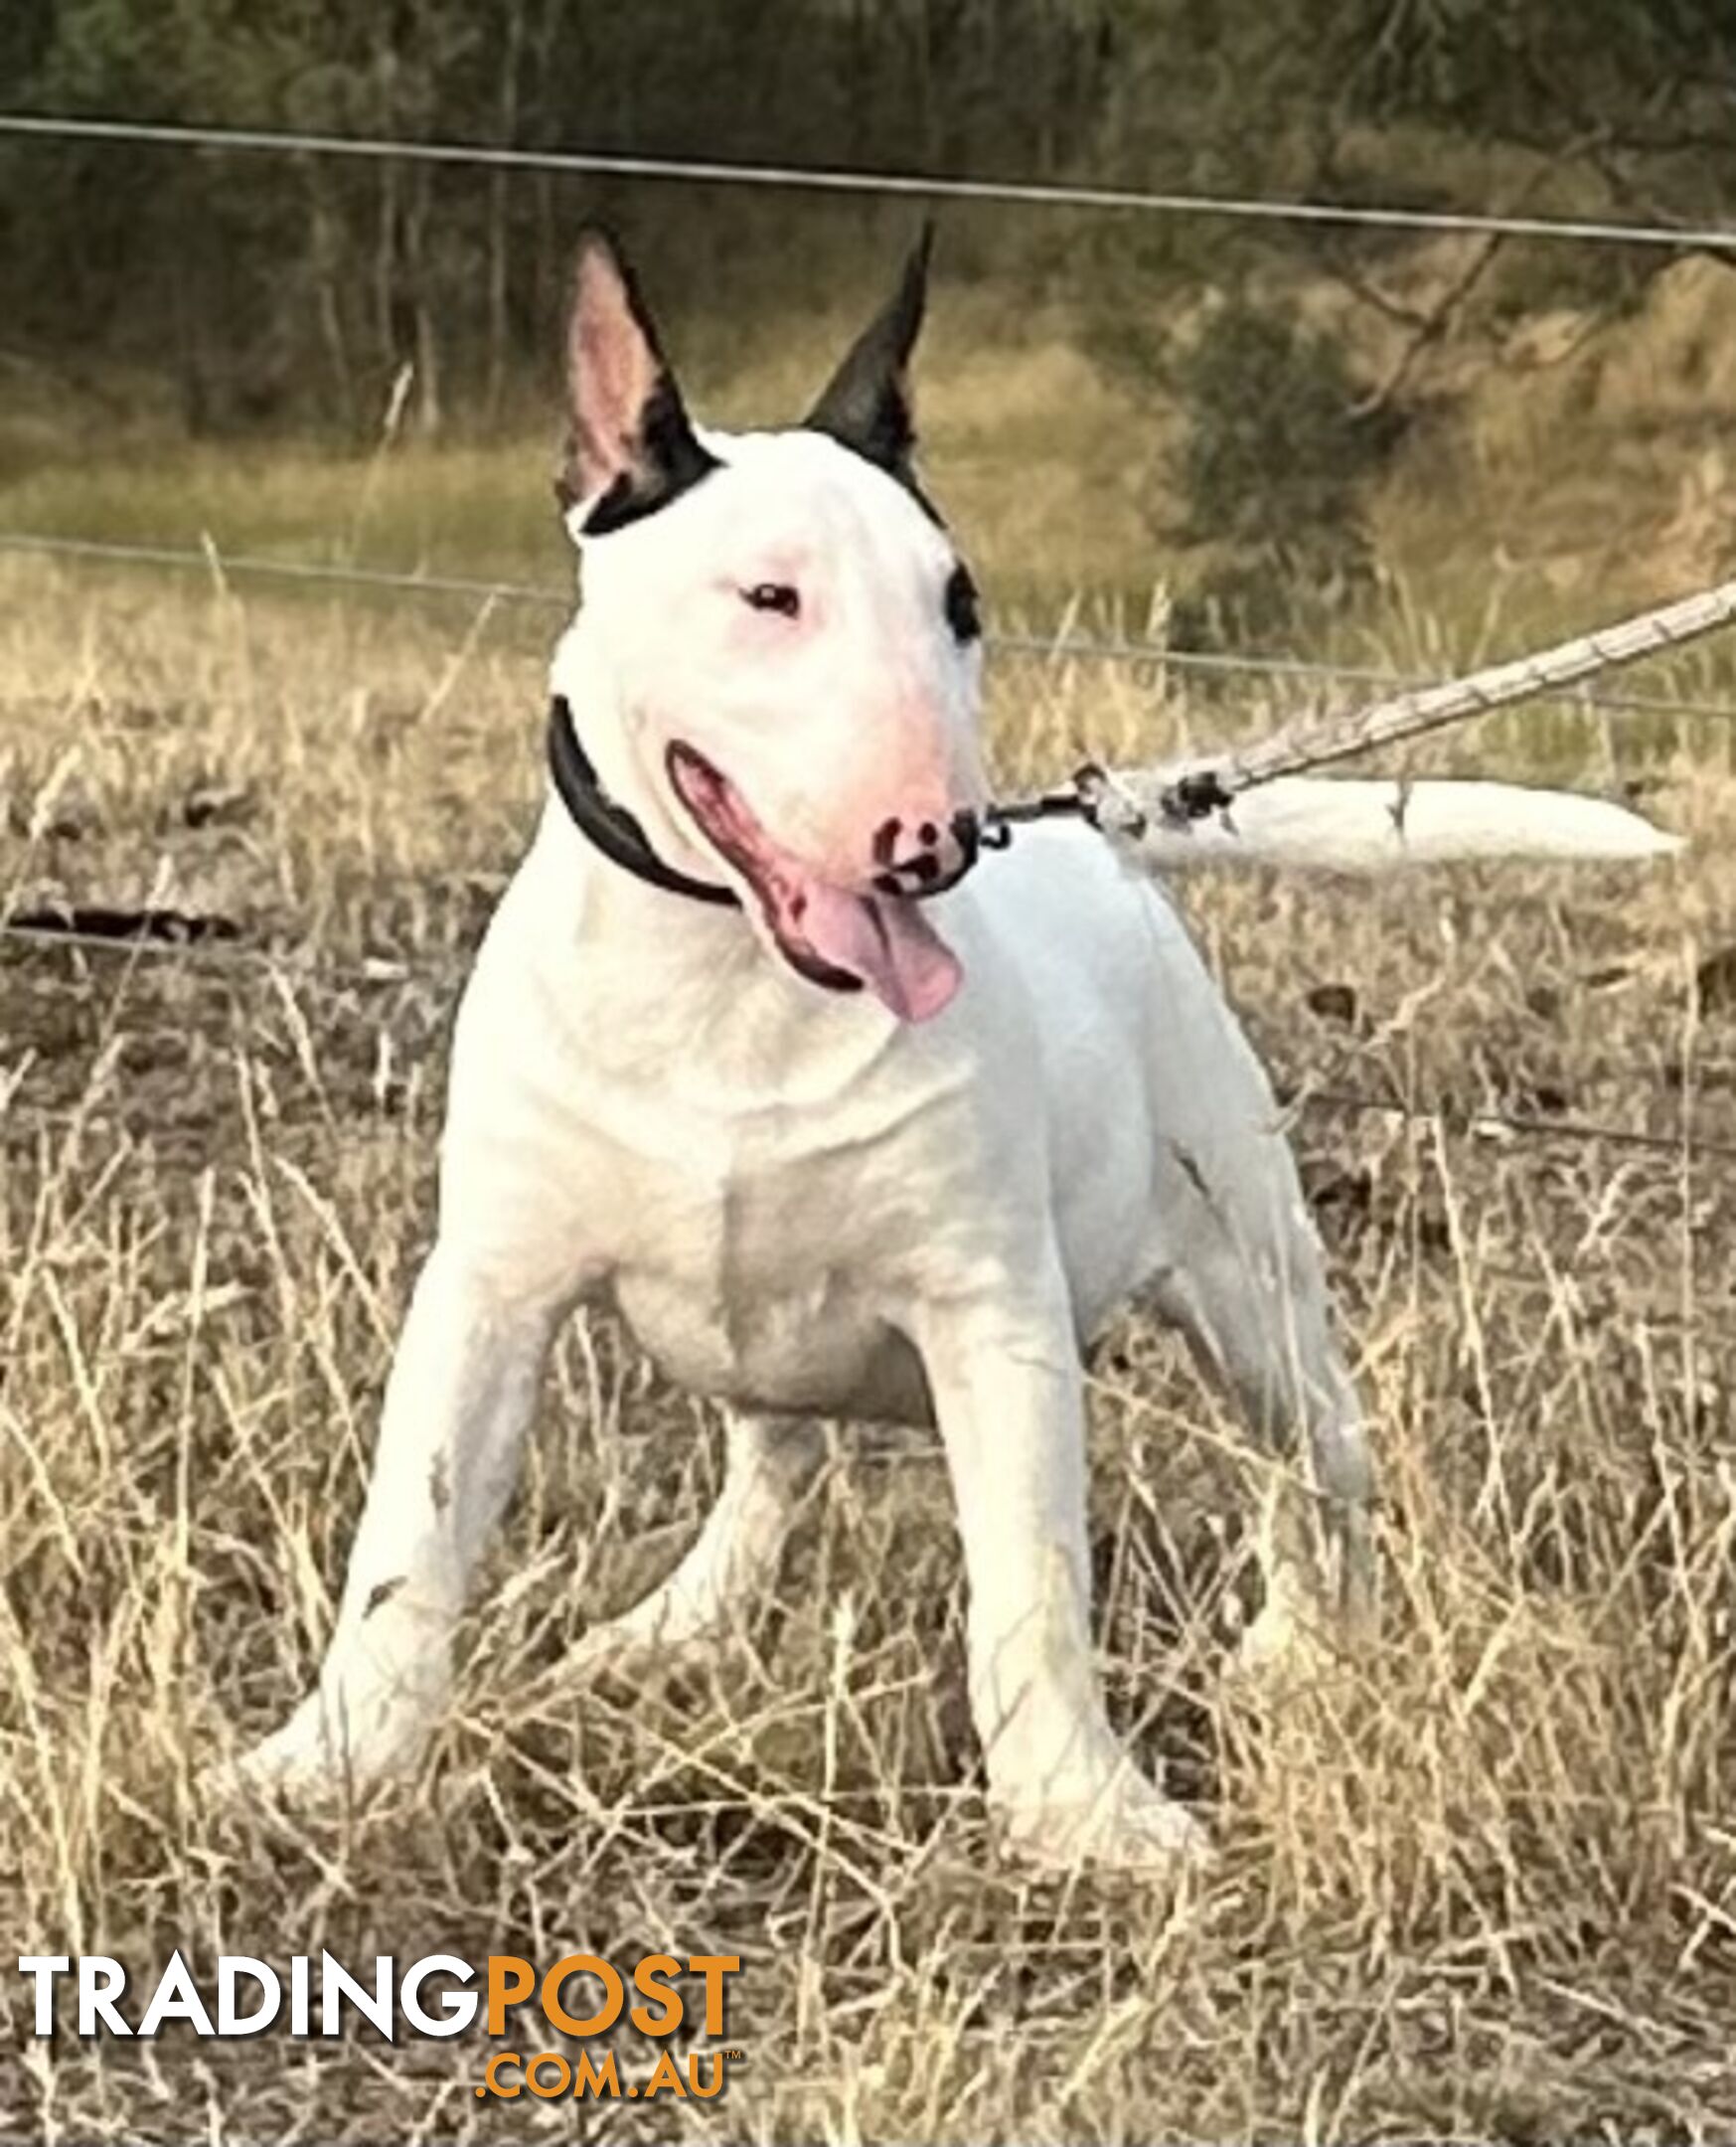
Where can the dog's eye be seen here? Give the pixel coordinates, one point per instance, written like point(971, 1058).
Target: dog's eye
point(779, 596)
point(962, 614)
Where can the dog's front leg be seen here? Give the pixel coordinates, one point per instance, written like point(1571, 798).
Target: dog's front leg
point(462, 1388)
point(1007, 1397)
point(705, 1603)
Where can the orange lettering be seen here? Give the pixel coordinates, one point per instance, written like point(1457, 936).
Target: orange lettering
point(714, 1967)
point(651, 1978)
point(491, 2073)
point(607, 2014)
point(561, 2083)
point(509, 1982)
point(591, 2077)
point(694, 2061)
point(664, 2075)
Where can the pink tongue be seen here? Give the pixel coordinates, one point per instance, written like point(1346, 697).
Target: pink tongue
point(890, 945)
point(884, 941)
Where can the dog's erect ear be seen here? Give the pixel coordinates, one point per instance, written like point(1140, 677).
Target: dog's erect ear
point(867, 402)
point(630, 448)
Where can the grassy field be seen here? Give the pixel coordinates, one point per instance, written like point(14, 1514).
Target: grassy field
point(1563, 463)
point(1478, 1883)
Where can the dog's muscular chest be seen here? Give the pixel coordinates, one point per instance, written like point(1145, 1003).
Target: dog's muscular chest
point(762, 1279)
point(756, 1248)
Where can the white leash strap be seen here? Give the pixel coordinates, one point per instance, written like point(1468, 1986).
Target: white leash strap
point(1180, 793)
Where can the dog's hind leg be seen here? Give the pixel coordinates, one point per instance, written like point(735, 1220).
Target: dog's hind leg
point(1249, 1292)
point(733, 1563)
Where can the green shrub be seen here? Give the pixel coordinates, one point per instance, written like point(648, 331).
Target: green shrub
point(1281, 440)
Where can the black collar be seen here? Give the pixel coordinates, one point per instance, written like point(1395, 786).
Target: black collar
point(611, 827)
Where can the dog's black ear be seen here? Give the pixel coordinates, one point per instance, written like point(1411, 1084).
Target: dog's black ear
point(866, 404)
point(630, 447)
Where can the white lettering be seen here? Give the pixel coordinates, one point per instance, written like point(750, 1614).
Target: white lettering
point(457, 2007)
point(229, 1969)
point(44, 1967)
point(337, 1984)
point(100, 1982)
point(175, 1998)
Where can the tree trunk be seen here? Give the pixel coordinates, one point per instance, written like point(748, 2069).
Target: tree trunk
point(418, 218)
point(328, 301)
point(499, 223)
point(386, 227)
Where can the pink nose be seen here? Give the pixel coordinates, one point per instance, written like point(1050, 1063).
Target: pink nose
point(923, 857)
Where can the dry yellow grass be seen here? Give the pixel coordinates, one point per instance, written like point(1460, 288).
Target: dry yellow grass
point(1577, 448)
point(1481, 1882)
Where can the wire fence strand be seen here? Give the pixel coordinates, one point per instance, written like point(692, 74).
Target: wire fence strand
point(1055, 648)
point(1475, 1120)
point(234, 960)
point(921, 186)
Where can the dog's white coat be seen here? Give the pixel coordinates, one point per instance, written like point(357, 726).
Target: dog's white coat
point(801, 1206)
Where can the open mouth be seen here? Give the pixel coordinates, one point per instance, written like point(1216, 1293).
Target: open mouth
point(832, 935)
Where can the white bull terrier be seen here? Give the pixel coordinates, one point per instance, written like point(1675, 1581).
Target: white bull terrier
point(842, 1127)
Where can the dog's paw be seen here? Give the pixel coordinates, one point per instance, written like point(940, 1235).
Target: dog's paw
point(643, 1651)
point(1288, 1646)
point(1127, 1826)
point(323, 1755)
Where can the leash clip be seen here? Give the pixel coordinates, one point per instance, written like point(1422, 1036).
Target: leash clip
point(1098, 790)
point(1091, 787)
point(1103, 801)
point(1195, 795)
point(998, 822)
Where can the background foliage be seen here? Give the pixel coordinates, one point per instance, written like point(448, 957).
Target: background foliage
point(1278, 372)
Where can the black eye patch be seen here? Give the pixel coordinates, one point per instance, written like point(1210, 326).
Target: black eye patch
point(960, 602)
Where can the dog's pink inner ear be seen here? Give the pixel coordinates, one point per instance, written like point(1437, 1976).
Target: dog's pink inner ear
point(612, 371)
point(630, 448)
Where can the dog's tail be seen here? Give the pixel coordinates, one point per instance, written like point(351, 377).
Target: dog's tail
point(1334, 824)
